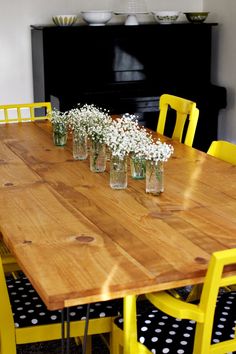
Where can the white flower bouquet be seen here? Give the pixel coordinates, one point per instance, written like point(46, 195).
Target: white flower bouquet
point(60, 123)
point(98, 125)
point(79, 119)
point(125, 136)
point(156, 154)
point(157, 151)
point(59, 119)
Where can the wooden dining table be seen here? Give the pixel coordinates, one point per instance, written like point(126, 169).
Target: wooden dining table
point(80, 241)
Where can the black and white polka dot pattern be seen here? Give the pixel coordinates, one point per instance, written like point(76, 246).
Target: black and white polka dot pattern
point(28, 309)
point(161, 333)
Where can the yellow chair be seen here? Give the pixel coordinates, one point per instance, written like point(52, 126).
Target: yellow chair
point(185, 110)
point(226, 151)
point(169, 325)
point(9, 263)
point(185, 125)
point(13, 113)
point(25, 319)
point(223, 150)
point(23, 112)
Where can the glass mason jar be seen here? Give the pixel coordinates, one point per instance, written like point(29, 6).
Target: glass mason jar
point(98, 156)
point(59, 134)
point(137, 167)
point(154, 177)
point(118, 172)
point(80, 151)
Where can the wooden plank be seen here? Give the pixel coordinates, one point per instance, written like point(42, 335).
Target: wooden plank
point(33, 144)
point(13, 171)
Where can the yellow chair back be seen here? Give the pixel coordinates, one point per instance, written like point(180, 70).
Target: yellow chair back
point(223, 150)
point(185, 109)
point(24, 112)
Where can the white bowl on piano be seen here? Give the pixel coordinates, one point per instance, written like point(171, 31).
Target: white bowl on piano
point(166, 17)
point(96, 18)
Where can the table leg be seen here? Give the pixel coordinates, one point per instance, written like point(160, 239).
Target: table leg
point(86, 329)
point(62, 332)
point(67, 330)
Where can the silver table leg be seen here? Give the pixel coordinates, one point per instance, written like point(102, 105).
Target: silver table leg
point(67, 331)
point(62, 332)
point(86, 329)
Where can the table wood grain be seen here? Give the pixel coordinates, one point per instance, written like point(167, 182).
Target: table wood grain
point(80, 241)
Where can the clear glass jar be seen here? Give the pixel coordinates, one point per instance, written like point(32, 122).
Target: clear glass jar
point(137, 167)
point(80, 151)
point(59, 134)
point(154, 177)
point(98, 156)
point(118, 172)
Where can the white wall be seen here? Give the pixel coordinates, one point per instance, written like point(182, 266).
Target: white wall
point(224, 54)
point(15, 44)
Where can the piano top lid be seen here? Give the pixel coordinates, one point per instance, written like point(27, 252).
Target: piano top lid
point(117, 26)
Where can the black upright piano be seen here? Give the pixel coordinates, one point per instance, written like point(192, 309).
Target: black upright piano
point(127, 68)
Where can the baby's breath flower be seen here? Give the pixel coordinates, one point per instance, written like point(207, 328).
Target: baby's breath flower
point(125, 136)
point(57, 117)
point(158, 151)
point(89, 120)
point(98, 126)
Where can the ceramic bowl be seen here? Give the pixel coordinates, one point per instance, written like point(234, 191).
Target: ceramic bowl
point(64, 20)
point(96, 18)
point(196, 17)
point(166, 17)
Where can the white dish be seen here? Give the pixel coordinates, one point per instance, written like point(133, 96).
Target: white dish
point(97, 18)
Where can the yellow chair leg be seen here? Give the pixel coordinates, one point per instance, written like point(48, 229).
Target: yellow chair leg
point(116, 340)
point(78, 341)
point(88, 344)
point(195, 293)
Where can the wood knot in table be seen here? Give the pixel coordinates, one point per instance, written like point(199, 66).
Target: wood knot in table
point(84, 239)
point(27, 241)
point(8, 184)
point(201, 260)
